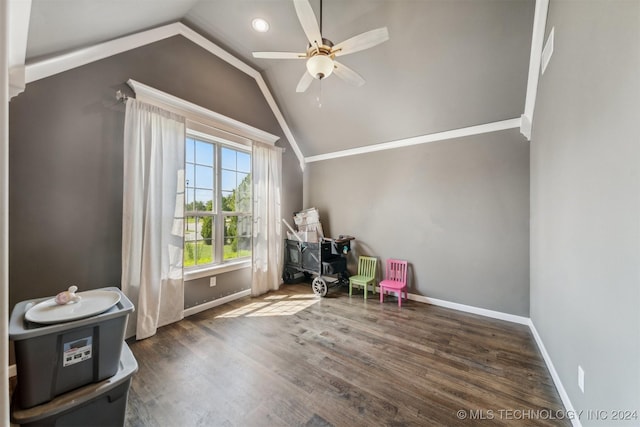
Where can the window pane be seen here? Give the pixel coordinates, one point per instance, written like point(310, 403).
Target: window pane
point(237, 237)
point(189, 150)
point(204, 177)
point(230, 237)
point(244, 162)
point(204, 250)
point(228, 201)
point(243, 195)
point(199, 240)
point(189, 177)
point(190, 229)
point(189, 254)
point(244, 247)
point(190, 241)
point(203, 193)
point(205, 227)
point(228, 180)
point(189, 199)
point(204, 200)
point(243, 180)
point(244, 226)
point(204, 153)
point(228, 158)
point(243, 204)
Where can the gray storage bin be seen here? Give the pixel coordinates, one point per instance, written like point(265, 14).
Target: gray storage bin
point(42, 371)
point(100, 404)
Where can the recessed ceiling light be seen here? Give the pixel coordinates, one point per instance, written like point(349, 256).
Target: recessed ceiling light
point(260, 25)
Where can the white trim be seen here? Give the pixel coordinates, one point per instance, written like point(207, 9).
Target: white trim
point(229, 140)
point(547, 52)
point(537, 39)
point(199, 114)
point(280, 119)
point(4, 208)
point(422, 139)
point(19, 15)
point(206, 306)
point(568, 406)
point(13, 371)
point(471, 309)
point(193, 274)
point(525, 127)
point(48, 67)
point(16, 80)
point(232, 60)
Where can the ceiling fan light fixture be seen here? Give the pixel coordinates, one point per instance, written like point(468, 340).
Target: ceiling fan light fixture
point(320, 66)
point(260, 25)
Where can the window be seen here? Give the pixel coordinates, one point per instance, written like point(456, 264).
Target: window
point(218, 203)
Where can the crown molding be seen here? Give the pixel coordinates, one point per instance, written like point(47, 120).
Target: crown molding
point(19, 15)
point(200, 114)
point(50, 66)
point(47, 67)
point(535, 59)
point(422, 139)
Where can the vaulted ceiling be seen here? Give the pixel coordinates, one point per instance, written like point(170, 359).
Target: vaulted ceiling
point(448, 64)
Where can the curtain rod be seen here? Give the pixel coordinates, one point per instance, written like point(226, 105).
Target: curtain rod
point(120, 96)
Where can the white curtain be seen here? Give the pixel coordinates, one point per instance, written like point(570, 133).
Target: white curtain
point(153, 215)
point(267, 232)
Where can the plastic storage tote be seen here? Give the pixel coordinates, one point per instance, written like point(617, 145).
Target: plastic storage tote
point(43, 370)
point(99, 404)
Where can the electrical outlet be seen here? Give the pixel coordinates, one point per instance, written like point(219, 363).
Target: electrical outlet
point(212, 281)
point(581, 378)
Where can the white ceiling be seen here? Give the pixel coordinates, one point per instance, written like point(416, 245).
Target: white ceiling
point(448, 64)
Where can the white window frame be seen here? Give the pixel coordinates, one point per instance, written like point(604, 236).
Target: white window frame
point(218, 214)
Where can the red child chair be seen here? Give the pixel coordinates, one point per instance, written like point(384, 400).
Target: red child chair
point(395, 279)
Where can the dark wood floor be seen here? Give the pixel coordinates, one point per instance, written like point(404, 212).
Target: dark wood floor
point(290, 359)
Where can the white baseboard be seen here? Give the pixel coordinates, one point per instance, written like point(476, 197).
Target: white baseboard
point(568, 406)
point(437, 302)
point(202, 307)
point(471, 309)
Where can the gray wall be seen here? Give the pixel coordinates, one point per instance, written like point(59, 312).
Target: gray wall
point(457, 210)
point(585, 203)
point(66, 150)
point(200, 291)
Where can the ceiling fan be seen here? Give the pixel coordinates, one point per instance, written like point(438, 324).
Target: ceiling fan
point(321, 52)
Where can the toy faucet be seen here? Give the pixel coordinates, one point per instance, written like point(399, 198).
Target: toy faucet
point(68, 296)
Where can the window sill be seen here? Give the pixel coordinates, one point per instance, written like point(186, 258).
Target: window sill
point(198, 273)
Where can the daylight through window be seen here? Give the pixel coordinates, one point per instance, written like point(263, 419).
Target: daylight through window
point(218, 203)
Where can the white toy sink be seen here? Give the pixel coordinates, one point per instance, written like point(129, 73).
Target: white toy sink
point(92, 303)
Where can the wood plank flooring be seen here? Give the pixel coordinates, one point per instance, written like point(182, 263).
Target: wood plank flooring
point(290, 359)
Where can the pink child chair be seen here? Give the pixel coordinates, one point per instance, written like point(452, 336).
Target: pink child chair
point(395, 279)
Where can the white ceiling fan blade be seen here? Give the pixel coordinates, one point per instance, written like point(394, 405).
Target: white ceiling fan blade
point(362, 41)
point(347, 74)
point(304, 82)
point(279, 55)
point(308, 21)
